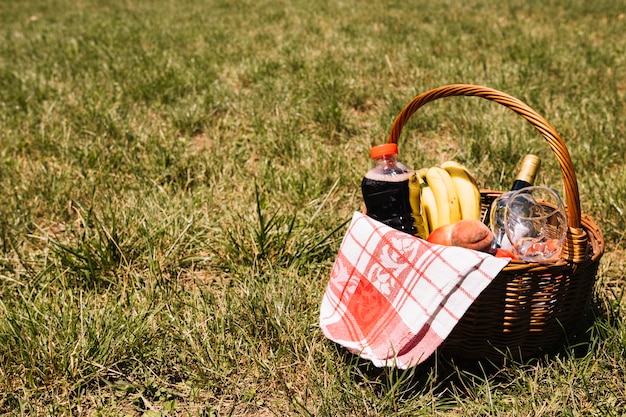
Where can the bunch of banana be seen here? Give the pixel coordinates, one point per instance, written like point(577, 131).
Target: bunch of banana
point(443, 195)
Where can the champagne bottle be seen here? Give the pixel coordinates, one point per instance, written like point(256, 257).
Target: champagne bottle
point(494, 215)
point(525, 177)
point(527, 172)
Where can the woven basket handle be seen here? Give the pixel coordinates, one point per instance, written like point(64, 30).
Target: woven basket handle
point(547, 131)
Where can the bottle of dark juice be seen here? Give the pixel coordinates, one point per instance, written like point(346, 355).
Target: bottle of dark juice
point(385, 189)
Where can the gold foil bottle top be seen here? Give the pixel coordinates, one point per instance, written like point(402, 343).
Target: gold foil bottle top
point(528, 168)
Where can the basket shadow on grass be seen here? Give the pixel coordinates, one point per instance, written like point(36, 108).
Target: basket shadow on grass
point(447, 378)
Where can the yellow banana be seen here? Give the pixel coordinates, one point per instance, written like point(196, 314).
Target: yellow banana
point(419, 217)
point(429, 205)
point(444, 191)
point(466, 189)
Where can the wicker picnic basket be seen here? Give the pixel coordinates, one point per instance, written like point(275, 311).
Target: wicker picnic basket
point(529, 307)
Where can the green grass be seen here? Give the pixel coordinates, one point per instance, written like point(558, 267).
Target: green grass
point(176, 176)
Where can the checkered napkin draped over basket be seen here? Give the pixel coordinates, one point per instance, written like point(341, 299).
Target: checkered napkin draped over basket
point(393, 298)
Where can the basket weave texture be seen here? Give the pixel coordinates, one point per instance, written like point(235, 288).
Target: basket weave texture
point(529, 307)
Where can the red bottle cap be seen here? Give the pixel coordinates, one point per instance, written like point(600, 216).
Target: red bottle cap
point(382, 150)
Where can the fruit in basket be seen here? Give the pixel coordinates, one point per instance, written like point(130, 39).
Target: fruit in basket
point(441, 235)
point(429, 205)
point(472, 234)
point(446, 197)
point(415, 200)
point(466, 233)
point(466, 189)
point(449, 193)
point(503, 253)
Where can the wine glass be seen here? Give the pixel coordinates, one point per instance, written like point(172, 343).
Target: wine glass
point(496, 221)
point(535, 223)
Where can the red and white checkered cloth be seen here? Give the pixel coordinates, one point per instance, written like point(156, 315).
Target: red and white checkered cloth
point(393, 298)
